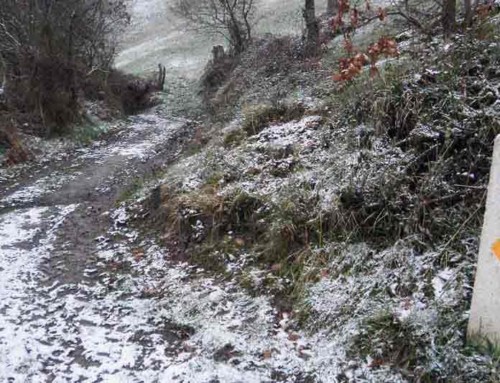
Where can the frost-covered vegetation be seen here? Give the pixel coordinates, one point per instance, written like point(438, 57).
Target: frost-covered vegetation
point(283, 218)
point(357, 207)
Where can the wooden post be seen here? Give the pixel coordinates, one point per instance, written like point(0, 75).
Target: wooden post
point(162, 73)
point(485, 310)
point(449, 17)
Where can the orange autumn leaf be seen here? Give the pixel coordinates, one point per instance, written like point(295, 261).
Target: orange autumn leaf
point(276, 267)
point(240, 242)
point(376, 363)
point(348, 46)
point(138, 254)
point(337, 77)
point(496, 249)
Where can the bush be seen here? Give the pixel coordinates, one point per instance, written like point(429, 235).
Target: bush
point(215, 75)
point(11, 146)
point(432, 121)
point(54, 57)
point(127, 93)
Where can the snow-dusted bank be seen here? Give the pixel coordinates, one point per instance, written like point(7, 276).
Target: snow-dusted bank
point(366, 306)
point(121, 311)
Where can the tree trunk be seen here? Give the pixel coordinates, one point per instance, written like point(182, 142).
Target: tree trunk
point(235, 33)
point(236, 39)
point(331, 7)
point(449, 17)
point(468, 13)
point(312, 39)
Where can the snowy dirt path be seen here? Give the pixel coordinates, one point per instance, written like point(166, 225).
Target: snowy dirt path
point(50, 223)
point(85, 298)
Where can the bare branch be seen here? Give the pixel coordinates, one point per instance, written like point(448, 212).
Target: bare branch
point(231, 19)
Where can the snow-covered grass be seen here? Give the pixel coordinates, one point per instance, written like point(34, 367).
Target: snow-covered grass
point(374, 314)
point(366, 219)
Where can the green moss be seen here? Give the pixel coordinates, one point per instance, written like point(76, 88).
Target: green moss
point(214, 179)
point(88, 132)
point(131, 191)
point(137, 185)
point(211, 255)
point(238, 212)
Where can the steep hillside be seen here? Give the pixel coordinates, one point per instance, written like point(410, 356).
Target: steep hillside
point(357, 208)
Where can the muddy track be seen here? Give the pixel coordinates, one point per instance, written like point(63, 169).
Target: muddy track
point(57, 214)
point(94, 180)
point(84, 297)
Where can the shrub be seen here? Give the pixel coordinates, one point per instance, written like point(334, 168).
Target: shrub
point(215, 75)
point(234, 138)
point(53, 56)
point(11, 146)
point(129, 93)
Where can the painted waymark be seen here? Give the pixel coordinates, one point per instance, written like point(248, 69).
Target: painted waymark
point(485, 309)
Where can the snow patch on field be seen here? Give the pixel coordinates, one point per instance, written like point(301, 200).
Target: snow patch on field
point(41, 187)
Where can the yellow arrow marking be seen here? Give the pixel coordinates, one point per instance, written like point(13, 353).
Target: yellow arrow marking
point(496, 249)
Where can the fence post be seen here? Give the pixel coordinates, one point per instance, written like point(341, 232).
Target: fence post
point(485, 310)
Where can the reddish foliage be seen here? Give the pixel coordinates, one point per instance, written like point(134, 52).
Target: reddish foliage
point(383, 47)
point(348, 46)
point(16, 152)
point(352, 66)
point(484, 10)
point(354, 18)
point(343, 9)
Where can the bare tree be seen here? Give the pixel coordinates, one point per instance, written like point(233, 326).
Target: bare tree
point(83, 30)
point(468, 12)
point(162, 74)
point(48, 47)
point(232, 19)
point(421, 15)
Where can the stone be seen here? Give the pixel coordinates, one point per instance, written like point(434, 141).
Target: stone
point(485, 310)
